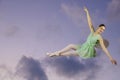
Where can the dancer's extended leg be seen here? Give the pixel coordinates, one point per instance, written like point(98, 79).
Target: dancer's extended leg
point(66, 49)
point(70, 53)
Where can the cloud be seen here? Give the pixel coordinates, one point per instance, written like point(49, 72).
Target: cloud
point(30, 69)
point(75, 13)
point(74, 68)
point(5, 73)
point(27, 69)
point(113, 10)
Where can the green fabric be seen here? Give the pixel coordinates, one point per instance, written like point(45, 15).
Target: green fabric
point(87, 49)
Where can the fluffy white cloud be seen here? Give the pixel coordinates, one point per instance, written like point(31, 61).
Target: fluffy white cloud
point(7, 74)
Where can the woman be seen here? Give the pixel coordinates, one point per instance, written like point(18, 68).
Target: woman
point(87, 49)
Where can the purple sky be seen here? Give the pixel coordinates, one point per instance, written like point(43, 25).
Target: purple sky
point(30, 28)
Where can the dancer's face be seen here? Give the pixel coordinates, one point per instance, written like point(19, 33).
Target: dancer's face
point(100, 30)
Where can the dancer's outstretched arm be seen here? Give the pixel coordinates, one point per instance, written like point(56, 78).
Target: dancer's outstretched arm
point(89, 20)
point(106, 51)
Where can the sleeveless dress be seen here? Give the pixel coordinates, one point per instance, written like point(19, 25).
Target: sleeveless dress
point(87, 49)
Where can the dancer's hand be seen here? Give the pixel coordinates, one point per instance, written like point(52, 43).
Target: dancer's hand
point(85, 9)
point(114, 61)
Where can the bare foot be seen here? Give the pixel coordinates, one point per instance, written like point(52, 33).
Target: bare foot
point(52, 54)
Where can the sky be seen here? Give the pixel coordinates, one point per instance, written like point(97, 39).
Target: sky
point(31, 28)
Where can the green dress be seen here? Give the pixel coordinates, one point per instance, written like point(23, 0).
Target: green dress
point(87, 49)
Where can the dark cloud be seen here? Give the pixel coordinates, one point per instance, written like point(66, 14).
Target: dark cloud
point(114, 10)
point(30, 69)
point(71, 67)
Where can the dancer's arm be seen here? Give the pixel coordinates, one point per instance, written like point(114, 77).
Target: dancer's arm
point(106, 51)
point(89, 20)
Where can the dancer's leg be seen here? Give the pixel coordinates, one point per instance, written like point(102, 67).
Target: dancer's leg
point(70, 53)
point(66, 49)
